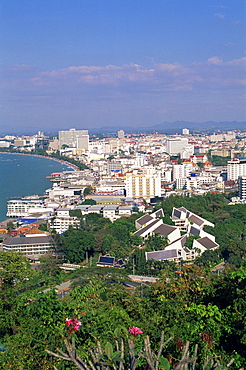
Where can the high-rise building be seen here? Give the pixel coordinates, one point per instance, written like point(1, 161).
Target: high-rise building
point(185, 131)
point(182, 170)
point(82, 142)
point(70, 137)
point(187, 152)
point(174, 146)
point(242, 187)
point(236, 168)
point(143, 185)
point(121, 134)
point(19, 142)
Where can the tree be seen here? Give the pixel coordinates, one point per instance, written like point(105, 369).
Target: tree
point(10, 226)
point(75, 213)
point(135, 239)
point(14, 269)
point(50, 265)
point(75, 244)
point(108, 243)
point(90, 202)
point(87, 191)
point(138, 262)
point(156, 242)
point(200, 164)
point(167, 220)
point(94, 222)
point(110, 158)
point(208, 258)
point(43, 227)
point(189, 241)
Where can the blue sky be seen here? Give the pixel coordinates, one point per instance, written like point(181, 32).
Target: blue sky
point(93, 63)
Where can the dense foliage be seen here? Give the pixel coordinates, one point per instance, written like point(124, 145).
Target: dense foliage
point(192, 305)
point(99, 235)
point(188, 301)
point(229, 221)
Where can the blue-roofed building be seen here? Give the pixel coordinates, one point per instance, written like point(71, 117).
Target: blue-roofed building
point(108, 261)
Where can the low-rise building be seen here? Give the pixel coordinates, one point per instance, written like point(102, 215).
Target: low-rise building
point(22, 207)
point(33, 244)
point(62, 224)
point(205, 244)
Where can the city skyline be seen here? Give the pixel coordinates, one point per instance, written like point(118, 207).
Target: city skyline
point(88, 64)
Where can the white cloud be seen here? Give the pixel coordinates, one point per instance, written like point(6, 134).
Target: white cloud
point(237, 62)
point(129, 80)
point(215, 60)
point(219, 15)
point(135, 78)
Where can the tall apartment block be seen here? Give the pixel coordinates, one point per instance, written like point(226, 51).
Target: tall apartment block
point(185, 131)
point(236, 168)
point(121, 134)
point(82, 142)
point(143, 185)
point(182, 170)
point(176, 145)
point(242, 187)
point(70, 137)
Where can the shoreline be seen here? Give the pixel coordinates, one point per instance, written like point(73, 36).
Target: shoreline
point(68, 164)
point(73, 166)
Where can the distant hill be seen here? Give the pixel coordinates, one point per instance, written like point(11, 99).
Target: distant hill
point(162, 128)
point(175, 127)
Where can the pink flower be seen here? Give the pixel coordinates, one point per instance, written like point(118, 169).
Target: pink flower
point(135, 331)
point(74, 323)
point(69, 322)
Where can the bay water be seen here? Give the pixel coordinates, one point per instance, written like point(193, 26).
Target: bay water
point(22, 175)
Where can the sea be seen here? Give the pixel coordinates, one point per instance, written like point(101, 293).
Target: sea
point(24, 175)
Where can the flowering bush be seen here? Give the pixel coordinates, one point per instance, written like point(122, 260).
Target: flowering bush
point(135, 331)
point(73, 324)
point(109, 359)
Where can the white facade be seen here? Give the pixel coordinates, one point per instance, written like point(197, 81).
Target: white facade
point(69, 137)
point(176, 145)
point(82, 142)
point(121, 134)
point(58, 192)
point(223, 137)
point(236, 168)
point(32, 246)
point(181, 183)
point(182, 170)
point(21, 207)
point(242, 187)
point(61, 224)
point(110, 211)
point(143, 185)
point(4, 144)
point(63, 212)
point(187, 152)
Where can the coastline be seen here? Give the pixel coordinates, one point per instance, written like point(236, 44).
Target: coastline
point(70, 167)
point(73, 166)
